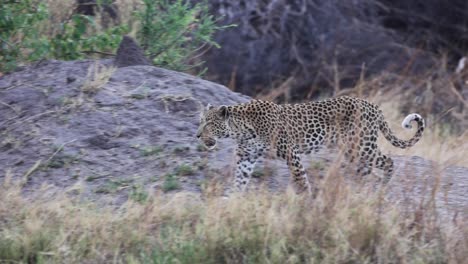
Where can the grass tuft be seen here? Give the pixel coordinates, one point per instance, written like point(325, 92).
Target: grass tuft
point(170, 183)
point(151, 150)
point(184, 170)
point(98, 75)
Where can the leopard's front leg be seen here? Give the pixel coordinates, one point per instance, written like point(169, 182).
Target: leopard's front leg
point(246, 159)
point(297, 171)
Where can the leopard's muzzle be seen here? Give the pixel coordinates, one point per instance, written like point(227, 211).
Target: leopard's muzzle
point(209, 143)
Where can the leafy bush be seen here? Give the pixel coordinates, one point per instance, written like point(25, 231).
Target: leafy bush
point(18, 38)
point(173, 33)
point(22, 39)
point(74, 41)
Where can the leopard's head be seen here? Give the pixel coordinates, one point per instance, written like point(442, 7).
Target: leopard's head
point(213, 125)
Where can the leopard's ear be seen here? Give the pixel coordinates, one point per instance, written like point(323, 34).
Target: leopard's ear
point(223, 112)
point(209, 107)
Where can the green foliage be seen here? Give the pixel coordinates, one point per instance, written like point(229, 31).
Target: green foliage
point(151, 150)
point(174, 32)
point(21, 38)
point(74, 40)
point(38, 243)
point(107, 188)
point(138, 194)
point(170, 183)
point(18, 34)
point(183, 252)
point(184, 170)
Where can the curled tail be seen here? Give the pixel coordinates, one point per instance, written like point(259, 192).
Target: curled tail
point(390, 136)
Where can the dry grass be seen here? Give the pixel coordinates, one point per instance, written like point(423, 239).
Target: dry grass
point(59, 12)
point(341, 225)
point(98, 75)
point(127, 8)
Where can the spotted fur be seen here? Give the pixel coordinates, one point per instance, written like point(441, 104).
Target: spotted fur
point(294, 129)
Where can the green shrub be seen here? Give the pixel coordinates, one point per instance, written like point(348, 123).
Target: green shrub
point(174, 32)
point(22, 40)
point(18, 38)
point(74, 41)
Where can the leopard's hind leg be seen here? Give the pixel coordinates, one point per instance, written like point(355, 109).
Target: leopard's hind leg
point(385, 163)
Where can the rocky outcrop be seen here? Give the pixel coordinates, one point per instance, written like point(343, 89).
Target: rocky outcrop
point(130, 53)
point(134, 129)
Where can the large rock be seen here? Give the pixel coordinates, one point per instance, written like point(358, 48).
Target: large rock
point(133, 130)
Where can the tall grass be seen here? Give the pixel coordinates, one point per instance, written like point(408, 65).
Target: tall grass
point(341, 225)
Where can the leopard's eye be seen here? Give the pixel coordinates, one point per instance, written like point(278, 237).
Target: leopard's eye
point(208, 125)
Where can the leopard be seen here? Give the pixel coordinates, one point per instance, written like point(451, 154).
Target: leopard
point(291, 130)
